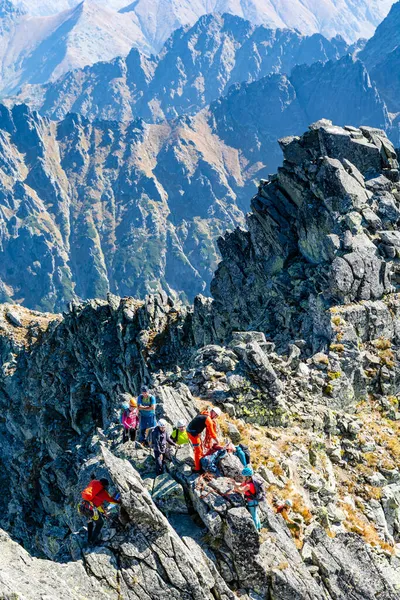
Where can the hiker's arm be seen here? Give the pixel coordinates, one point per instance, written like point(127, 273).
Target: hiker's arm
point(211, 428)
point(106, 497)
point(171, 441)
point(242, 487)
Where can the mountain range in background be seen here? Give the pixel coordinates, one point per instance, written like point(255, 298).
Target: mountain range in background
point(40, 41)
point(131, 194)
point(131, 207)
point(195, 67)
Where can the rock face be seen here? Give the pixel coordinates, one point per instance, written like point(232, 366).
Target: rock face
point(322, 232)
point(218, 51)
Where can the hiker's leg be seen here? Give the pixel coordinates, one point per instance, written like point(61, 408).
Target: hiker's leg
point(142, 435)
point(125, 436)
point(132, 433)
point(159, 462)
point(97, 529)
point(90, 526)
point(197, 450)
point(253, 508)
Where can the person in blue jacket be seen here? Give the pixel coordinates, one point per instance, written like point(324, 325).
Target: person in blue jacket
point(147, 413)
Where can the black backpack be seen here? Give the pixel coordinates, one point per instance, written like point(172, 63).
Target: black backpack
point(260, 489)
point(88, 510)
point(246, 453)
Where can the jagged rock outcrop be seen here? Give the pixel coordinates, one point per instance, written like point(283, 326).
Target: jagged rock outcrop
point(28, 578)
point(322, 232)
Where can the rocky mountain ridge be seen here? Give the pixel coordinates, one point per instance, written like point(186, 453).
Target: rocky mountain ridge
point(299, 346)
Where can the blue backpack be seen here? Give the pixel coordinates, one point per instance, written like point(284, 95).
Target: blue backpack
point(209, 464)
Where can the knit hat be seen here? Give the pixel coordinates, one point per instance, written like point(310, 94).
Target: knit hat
point(248, 471)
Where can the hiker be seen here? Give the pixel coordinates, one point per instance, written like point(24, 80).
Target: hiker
point(293, 523)
point(179, 434)
point(253, 491)
point(160, 441)
point(203, 421)
point(147, 413)
point(91, 506)
point(129, 420)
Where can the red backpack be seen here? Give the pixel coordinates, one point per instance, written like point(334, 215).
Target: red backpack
point(94, 488)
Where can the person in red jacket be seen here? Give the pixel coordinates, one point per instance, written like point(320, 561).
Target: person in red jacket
point(96, 494)
point(203, 421)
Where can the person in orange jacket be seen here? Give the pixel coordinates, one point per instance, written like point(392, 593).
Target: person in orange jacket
point(95, 494)
point(204, 421)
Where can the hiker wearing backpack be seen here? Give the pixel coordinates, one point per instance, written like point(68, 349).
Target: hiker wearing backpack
point(91, 507)
point(129, 420)
point(147, 413)
point(253, 490)
point(160, 441)
point(203, 421)
point(179, 434)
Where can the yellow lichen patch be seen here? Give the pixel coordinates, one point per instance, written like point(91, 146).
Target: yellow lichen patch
point(382, 344)
point(334, 375)
point(337, 348)
point(387, 358)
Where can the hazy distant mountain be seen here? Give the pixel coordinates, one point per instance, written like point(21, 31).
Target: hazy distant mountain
point(158, 18)
point(40, 41)
point(382, 57)
point(195, 67)
point(38, 49)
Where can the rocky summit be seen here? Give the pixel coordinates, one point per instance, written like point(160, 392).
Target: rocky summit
point(299, 347)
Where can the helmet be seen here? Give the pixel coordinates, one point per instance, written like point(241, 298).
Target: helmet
point(248, 471)
point(104, 482)
point(133, 402)
point(216, 410)
point(181, 424)
point(125, 405)
point(288, 503)
point(144, 389)
point(162, 423)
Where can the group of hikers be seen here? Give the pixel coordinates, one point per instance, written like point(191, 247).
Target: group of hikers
point(138, 419)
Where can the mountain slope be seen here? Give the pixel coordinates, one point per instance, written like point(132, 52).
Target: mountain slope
point(195, 67)
point(39, 49)
point(382, 57)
